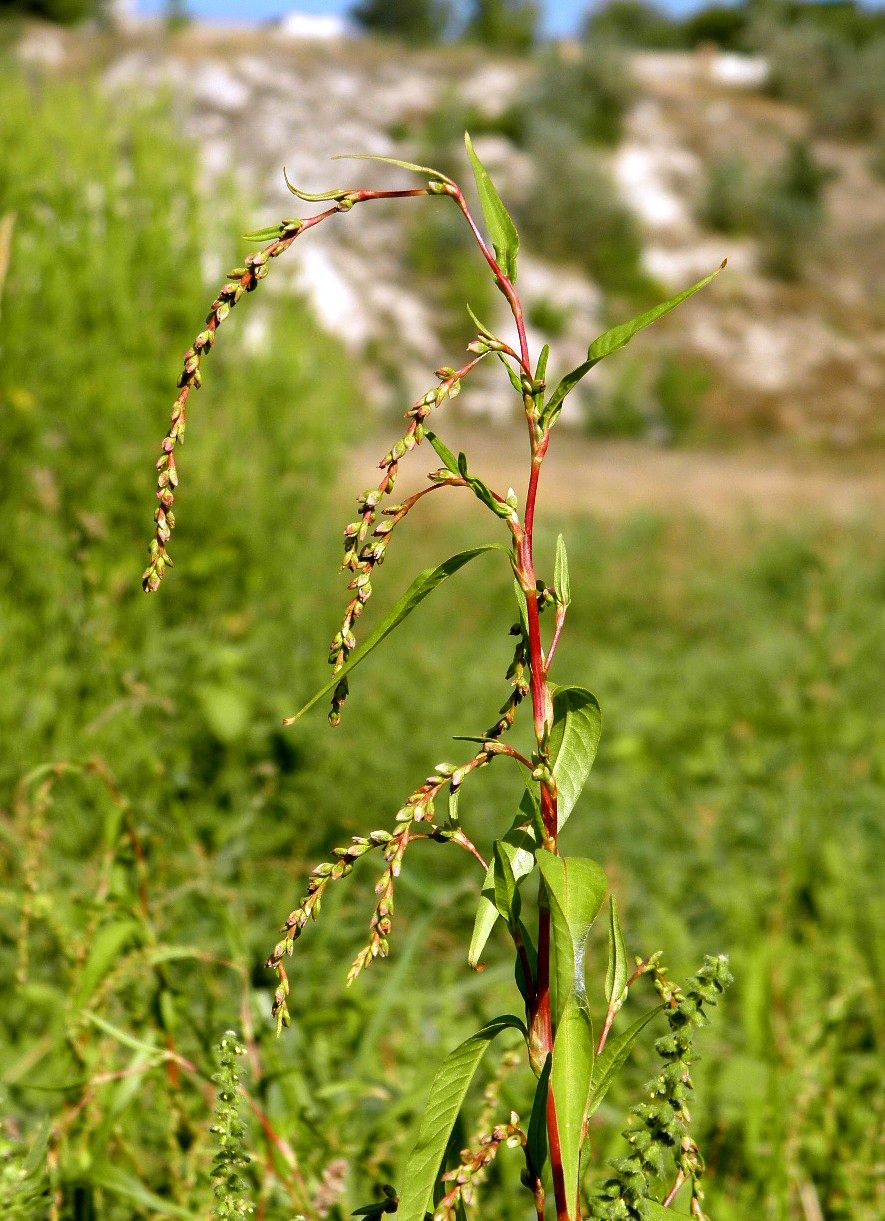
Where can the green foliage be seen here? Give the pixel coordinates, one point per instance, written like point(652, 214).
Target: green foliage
point(631, 23)
point(681, 388)
point(508, 25)
point(586, 96)
point(413, 20)
point(659, 1130)
point(65, 12)
point(23, 1179)
point(447, 1093)
point(741, 812)
point(792, 212)
point(834, 67)
point(729, 204)
point(231, 1158)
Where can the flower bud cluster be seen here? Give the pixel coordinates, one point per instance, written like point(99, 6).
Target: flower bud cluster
point(658, 1131)
point(309, 909)
point(517, 673)
point(417, 809)
point(231, 1159)
point(241, 280)
point(468, 1175)
point(366, 538)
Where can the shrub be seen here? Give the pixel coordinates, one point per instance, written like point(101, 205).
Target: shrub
point(792, 212)
point(729, 204)
point(413, 20)
point(507, 25)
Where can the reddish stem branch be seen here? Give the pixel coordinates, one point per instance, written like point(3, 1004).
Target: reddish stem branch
point(503, 282)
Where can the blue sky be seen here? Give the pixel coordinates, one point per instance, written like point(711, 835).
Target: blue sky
point(560, 16)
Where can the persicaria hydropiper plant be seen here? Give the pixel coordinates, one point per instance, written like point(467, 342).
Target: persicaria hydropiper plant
point(574, 1060)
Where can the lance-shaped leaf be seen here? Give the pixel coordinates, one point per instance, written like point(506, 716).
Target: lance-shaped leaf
point(611, 1059)
point(423, 585)
point(272, 231)
point(519, 845)
point(481, 329)
point(576, 889)
point(105, 951)
point(450, 462)
point(617, 338)
point(570, 1081)
point(653, 1211)
point(507, 898)
point(458, 466)
point(316, 196)
point(561, 585)
point(541, 366)
point(536, 1137)
point(424, 170)
point(502, 230)
point(574, 739)
point(616, 975)
point(119, 1182)
point(446, 1096)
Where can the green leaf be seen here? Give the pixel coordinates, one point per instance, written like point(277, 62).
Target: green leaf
point(107, 945)
point(536, 1137)
point(513, 374)
point(316, 196)
point(446, 1096)
point(619, 336)
point(577, 725)
point(263, 235)
point(120, 1183)
point(611, 1059)
point(541, 367)
point(519, 845)
point(502, 230)
point(424, 170)
point(576, 889)
point(653, 1211)
point(36, 1157)
point(507, 898)
point(570, 1081)
point(561, 585)
point(616, 975)
point(450, 462)
point(615, 339)
point(553, 405)
point(481, 329)
point(423, 585)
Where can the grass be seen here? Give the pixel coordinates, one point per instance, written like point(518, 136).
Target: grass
point(735, 800)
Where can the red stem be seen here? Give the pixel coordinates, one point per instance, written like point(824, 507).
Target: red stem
point(503, 282)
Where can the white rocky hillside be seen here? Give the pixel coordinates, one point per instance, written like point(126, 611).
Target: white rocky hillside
point(804, 358)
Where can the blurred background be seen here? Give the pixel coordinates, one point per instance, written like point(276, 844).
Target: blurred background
point(719, 485)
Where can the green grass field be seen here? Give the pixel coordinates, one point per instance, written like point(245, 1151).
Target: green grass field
point(735, 802)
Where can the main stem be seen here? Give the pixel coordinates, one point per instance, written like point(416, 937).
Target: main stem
point(541, 1024)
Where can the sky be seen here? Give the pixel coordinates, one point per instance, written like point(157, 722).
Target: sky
point(560, 16)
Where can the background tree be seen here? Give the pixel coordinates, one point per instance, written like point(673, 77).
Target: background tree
point(65, 12)
point(413, 20)
point(510, 24)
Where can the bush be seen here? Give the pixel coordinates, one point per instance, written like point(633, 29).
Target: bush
point(840, 81)
point(412, 20)
point(792, 212)
point(506, 25)
point(589, 96)
point(729, 204)
point(631, 23)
